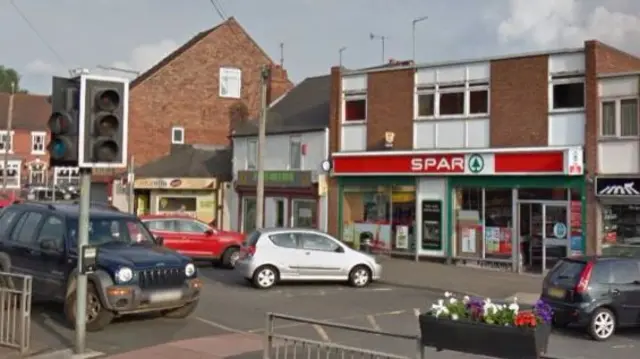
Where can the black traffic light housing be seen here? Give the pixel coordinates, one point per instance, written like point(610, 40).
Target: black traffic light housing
point(104, 122)
point(64, 122)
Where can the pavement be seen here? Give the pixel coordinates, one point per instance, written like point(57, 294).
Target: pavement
point(230, 319)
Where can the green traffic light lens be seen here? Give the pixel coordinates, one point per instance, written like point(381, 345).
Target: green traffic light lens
point(106, 151)
point(58, 149)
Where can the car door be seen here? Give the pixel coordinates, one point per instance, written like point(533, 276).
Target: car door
point(51, 250)
point(198, 239)
point(321, 258)
point(287, 255)
point(8, 218)
point(625, 290)
point(25, 258)
point(166, 228)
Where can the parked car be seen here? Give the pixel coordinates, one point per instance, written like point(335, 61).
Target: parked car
point(134, 272)
point(196, 239)
point(600, 294)
point(269, 256)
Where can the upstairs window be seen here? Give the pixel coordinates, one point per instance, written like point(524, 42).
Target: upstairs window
point(568, 92)
point(451, 100)
point(37, 142)
point(355, 106)
point(479, 98)
point(6, 141)
point(295, 153)
point(426, 101)
point(230, 82)
point(252, 154)
point(177, 135)
point(619, 118)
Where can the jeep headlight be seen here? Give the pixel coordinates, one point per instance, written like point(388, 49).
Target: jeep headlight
point(190, 270)
point(124, 274)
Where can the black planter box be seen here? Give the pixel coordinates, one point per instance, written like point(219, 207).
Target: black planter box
point(484, 339)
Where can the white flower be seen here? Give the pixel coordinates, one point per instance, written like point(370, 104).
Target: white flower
point(454, 316)
point(439, 309)
point(447, 294)
point(514, 307)
point(466, 299)
point(515, 299)
point(487, 301)
point(453, 300)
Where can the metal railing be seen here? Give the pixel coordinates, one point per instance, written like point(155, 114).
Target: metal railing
point(278, 346)
point(15, 311)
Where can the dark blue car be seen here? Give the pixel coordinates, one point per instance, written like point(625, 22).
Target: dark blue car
point(135, 272)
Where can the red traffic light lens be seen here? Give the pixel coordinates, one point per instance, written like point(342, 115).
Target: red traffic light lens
point(108, 100)
point(59, 123)
point(107, 125)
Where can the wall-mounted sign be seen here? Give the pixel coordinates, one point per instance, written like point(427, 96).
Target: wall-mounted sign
point(175, 183)
point(432, 224)
point(282, 179)
point(389, 137)
point(617, 186)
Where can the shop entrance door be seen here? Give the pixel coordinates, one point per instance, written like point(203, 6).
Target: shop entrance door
point(554, 233)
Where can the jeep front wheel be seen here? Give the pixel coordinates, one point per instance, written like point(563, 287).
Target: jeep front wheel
point(182, 312)
point(98, 317)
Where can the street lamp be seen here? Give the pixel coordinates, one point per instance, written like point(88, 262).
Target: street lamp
point(382, 38)
point(340, 51)
point(413, 35)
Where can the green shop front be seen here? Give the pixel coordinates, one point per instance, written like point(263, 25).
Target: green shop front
point(518, 208)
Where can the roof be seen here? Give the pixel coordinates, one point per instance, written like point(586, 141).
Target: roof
point(30, 112)
point(188, 45)
point(71, 210)
point(304, 108)
point(190, 161)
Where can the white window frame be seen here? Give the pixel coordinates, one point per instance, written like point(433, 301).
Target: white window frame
point(565, 80)
point(11, 138)
point(173, 137)
point(13, 181)
point(224, 75)
point(41, 172)
point(354, 96)
point(465, 87)
point(617, 117)
point(295, 140)
point(252, 154)
point(35, 135)
point(72, 179)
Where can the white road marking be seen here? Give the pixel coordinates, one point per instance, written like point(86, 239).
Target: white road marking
point(321, 332)
point(395, 312)
point(372, 320)
point(622, 346)
point(416, 311)
point(221, 326)
point(381, 289)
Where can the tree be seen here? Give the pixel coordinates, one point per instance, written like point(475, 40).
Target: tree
point(8, 76)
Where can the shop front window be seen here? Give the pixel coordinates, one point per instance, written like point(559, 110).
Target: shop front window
point(621, 229)
point(248, 214)
point(304, 213)
point(379, 218)
point(182, 205)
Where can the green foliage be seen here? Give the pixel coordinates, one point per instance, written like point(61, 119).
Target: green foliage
point(7, 77)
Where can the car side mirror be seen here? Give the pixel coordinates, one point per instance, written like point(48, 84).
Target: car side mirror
point(339, 249)
point(49, 244)
point(209, 232)
point(160, 241)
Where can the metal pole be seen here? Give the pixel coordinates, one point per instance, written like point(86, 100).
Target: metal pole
point(262, 137)
point(413, 41)
point(8, 140)
point(340, 51)
point(83, 240)
point(382, 39)
point(130, 188)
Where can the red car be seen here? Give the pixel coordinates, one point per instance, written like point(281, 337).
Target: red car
point(196, 239)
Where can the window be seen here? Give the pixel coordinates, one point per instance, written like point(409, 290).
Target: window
point(53, 228)
point(426, 101)
point(37, 173)
point(6, 141)
point(619, 118)
point(191, 226)
point(26, 229)
point(37, 142)
point(177, 204)
point(230, 82)
point(315, 242)
point(13, 173)
point(177, 135)
point(625, 272)
point(66, 176)
point(163, 225)
point(568, 92)
point(7, 219)
point(109, 230)
point(451, 100)
point(295, 153)
point(285, 240)
point(479, 99)
point(252, 154)
point(355, 107)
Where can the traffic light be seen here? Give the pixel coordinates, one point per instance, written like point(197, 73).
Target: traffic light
point(103, 121)
point(64, 122)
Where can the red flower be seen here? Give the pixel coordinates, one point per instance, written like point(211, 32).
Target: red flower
point(525, 319)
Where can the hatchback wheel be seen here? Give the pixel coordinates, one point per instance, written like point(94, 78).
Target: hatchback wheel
point(602, 324)
point(360, 276)
point(265, 277)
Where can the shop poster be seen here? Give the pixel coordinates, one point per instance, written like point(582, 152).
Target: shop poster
point(469, 240)
point(576, 239)
point(402, 237)
point(432, 224)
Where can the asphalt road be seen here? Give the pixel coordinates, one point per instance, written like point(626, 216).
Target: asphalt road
point(228, 303)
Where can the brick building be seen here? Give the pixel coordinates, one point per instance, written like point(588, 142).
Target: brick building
point(489, 160)
point(188, 97)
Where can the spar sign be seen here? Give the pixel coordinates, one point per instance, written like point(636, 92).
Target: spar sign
point(511, 162)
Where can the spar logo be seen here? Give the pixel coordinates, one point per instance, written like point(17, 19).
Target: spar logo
point(476, 163)
point(438, 164)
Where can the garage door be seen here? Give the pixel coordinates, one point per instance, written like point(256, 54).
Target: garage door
point(99, 192)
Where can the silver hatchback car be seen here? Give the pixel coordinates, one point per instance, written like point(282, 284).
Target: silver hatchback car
point(289, 254)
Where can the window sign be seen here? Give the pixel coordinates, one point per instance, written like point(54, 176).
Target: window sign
point(432, 224)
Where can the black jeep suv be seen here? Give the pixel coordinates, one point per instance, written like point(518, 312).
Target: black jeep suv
point(135, 273)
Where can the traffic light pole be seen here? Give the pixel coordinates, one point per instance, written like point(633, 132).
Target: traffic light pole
point(83, 240)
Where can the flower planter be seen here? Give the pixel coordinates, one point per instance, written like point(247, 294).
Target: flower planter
point(508, 342)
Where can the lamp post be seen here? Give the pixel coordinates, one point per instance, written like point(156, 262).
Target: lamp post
point(413, 35)
point(340, 51)
point(382, 39)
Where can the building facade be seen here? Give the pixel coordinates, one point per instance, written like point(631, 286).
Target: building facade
point(474, 161)
point(296, 145)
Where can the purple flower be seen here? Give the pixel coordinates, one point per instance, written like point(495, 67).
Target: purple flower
point(475, 308)
point(543, 311)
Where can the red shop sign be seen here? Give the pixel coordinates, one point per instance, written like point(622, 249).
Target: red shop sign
point(388, 164)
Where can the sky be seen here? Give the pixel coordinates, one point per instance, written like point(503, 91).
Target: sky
point(41, 38)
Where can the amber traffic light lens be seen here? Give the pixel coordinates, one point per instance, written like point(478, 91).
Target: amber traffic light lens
point(107, 125)
point(108, 100)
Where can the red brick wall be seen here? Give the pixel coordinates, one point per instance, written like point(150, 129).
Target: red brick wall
point(185, 93)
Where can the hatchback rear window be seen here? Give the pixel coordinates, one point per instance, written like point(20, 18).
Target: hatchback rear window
point(567, 271)
point(252, 239)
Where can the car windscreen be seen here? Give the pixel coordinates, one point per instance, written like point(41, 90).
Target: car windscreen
point(567, 271)
point(252, 239)
point(112, 230)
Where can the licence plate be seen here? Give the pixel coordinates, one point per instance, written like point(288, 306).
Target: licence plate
point(166, 296)
point(556, 292)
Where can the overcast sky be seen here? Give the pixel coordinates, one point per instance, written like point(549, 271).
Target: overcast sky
point(137, 33)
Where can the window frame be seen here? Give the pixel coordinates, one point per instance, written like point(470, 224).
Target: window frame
point(223, 76)
point(174, 130)
point(617, 117)
point(301, 236)
point(43, 137)
point(555, 80)
point(3, 133)
point(252, 154)
point(356, 95)
point(12, 181)
point(293, 141)
point(437, 89)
